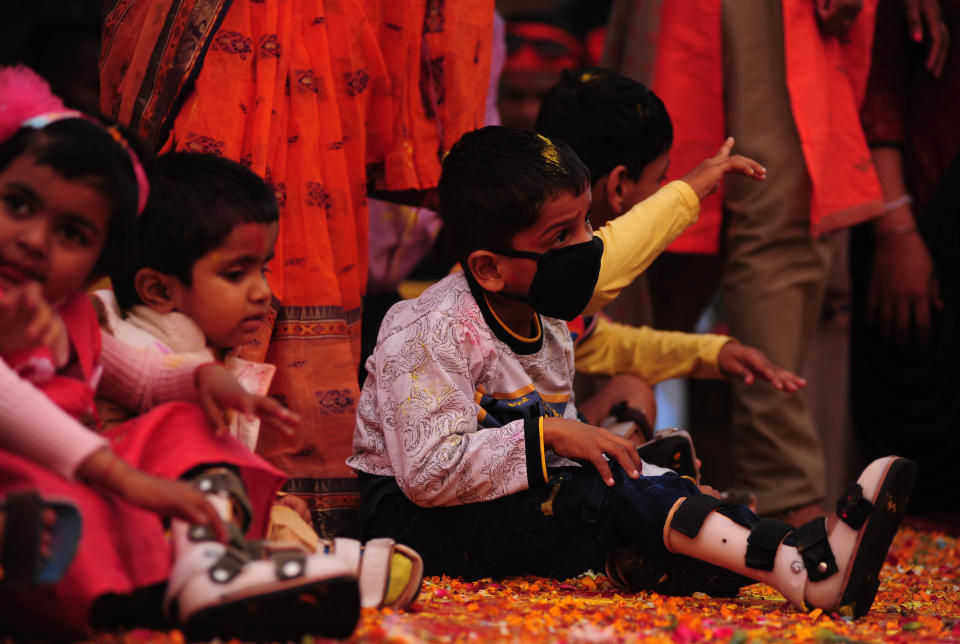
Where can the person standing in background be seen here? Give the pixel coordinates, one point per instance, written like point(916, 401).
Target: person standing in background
point(324, 100)
point(785, 78)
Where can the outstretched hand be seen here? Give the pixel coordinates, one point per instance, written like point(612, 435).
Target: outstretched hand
point(28, 321)
point(705, 178)
point(581, 441)
point(926, 16)
point(177, 499)
point(220, 391)
point(747, 364)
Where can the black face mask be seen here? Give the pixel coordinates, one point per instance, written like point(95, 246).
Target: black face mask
point(564, 281)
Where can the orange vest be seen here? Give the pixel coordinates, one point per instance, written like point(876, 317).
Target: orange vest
point(826, 80)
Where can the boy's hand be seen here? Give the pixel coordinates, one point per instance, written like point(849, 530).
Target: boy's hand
point(705, 178)
point(746, 363)
point(28, 321)
point(177, 499)
point(219, 390)
point(577, 440)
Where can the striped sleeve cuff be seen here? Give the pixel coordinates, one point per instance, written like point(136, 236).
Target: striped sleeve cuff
point(536, 457)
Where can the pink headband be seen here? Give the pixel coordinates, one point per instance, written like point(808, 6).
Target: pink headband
point(41, 121)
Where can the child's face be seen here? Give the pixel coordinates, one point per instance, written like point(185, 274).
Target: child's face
point(229, 296)
point(52, 230)
point(563, 221)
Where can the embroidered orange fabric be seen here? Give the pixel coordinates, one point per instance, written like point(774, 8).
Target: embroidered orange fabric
point(321, 98)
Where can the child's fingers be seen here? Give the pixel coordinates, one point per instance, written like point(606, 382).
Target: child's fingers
point(725, 149)
point(762, 366)
point(214, 413)
point(747, 166)
point(625, 453)
point(603, 468)
point(276, 414)
point(212, 519)
point(736, 369)
point(792, 382)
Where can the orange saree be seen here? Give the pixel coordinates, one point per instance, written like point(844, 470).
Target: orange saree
point(321, 98)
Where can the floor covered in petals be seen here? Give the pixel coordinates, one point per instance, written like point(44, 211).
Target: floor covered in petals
point(919, 601)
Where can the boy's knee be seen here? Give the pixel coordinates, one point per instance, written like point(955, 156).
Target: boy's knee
point(622, 388)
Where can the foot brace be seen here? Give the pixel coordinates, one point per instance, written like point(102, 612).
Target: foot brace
point(812, 567)
point(219, 590)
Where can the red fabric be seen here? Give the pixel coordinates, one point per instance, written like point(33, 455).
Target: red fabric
point(122, 547)
point(826, 79)
point(566, 52)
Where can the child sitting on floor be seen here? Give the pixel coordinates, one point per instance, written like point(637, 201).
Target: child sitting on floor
point(70, 188)
point(622, 132)
point(195, 287)
point(467, 438)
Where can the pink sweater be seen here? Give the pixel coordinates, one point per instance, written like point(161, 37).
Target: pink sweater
point(32, 426)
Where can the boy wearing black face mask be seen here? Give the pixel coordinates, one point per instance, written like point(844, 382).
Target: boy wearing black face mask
point(467, 440)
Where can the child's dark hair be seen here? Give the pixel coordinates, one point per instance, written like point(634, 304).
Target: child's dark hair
point(608, 119)
point(78, 149)
point(196, 200)
point(495, 181)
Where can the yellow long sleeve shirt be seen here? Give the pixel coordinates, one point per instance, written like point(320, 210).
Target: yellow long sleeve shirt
point(609, 348)
point(633, 240)
point(630, 244)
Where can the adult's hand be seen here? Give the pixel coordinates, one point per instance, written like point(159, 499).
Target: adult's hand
point(903, 287)
point(837, 16)
point(926, 16)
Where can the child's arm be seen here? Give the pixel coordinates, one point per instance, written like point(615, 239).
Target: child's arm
point(179, 499)
point(656, 356)
point(139, 380)
point(633, 240)
point(653, 355)
point(32, 426)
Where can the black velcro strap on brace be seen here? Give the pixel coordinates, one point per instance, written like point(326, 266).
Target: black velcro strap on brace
point(763, 542)
point(815, 549)
point(852, 508)
point(290, 563)
point(690, 515)
point(229, 565)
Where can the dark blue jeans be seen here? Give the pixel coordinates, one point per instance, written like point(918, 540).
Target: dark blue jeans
point(559, 530)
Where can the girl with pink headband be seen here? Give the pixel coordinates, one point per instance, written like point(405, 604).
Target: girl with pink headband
point(70, 189)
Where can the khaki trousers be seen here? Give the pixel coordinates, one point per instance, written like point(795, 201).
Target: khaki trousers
point(774, 274)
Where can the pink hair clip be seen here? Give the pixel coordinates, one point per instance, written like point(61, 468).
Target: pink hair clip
point(26, 101)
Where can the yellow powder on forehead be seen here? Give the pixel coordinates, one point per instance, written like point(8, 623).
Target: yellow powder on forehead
point(550, 153)
point(586, 77)
point(640, 111)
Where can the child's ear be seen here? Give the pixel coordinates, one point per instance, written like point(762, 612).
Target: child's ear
point(155, 289)
point(485, 268)
point(615, 189)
